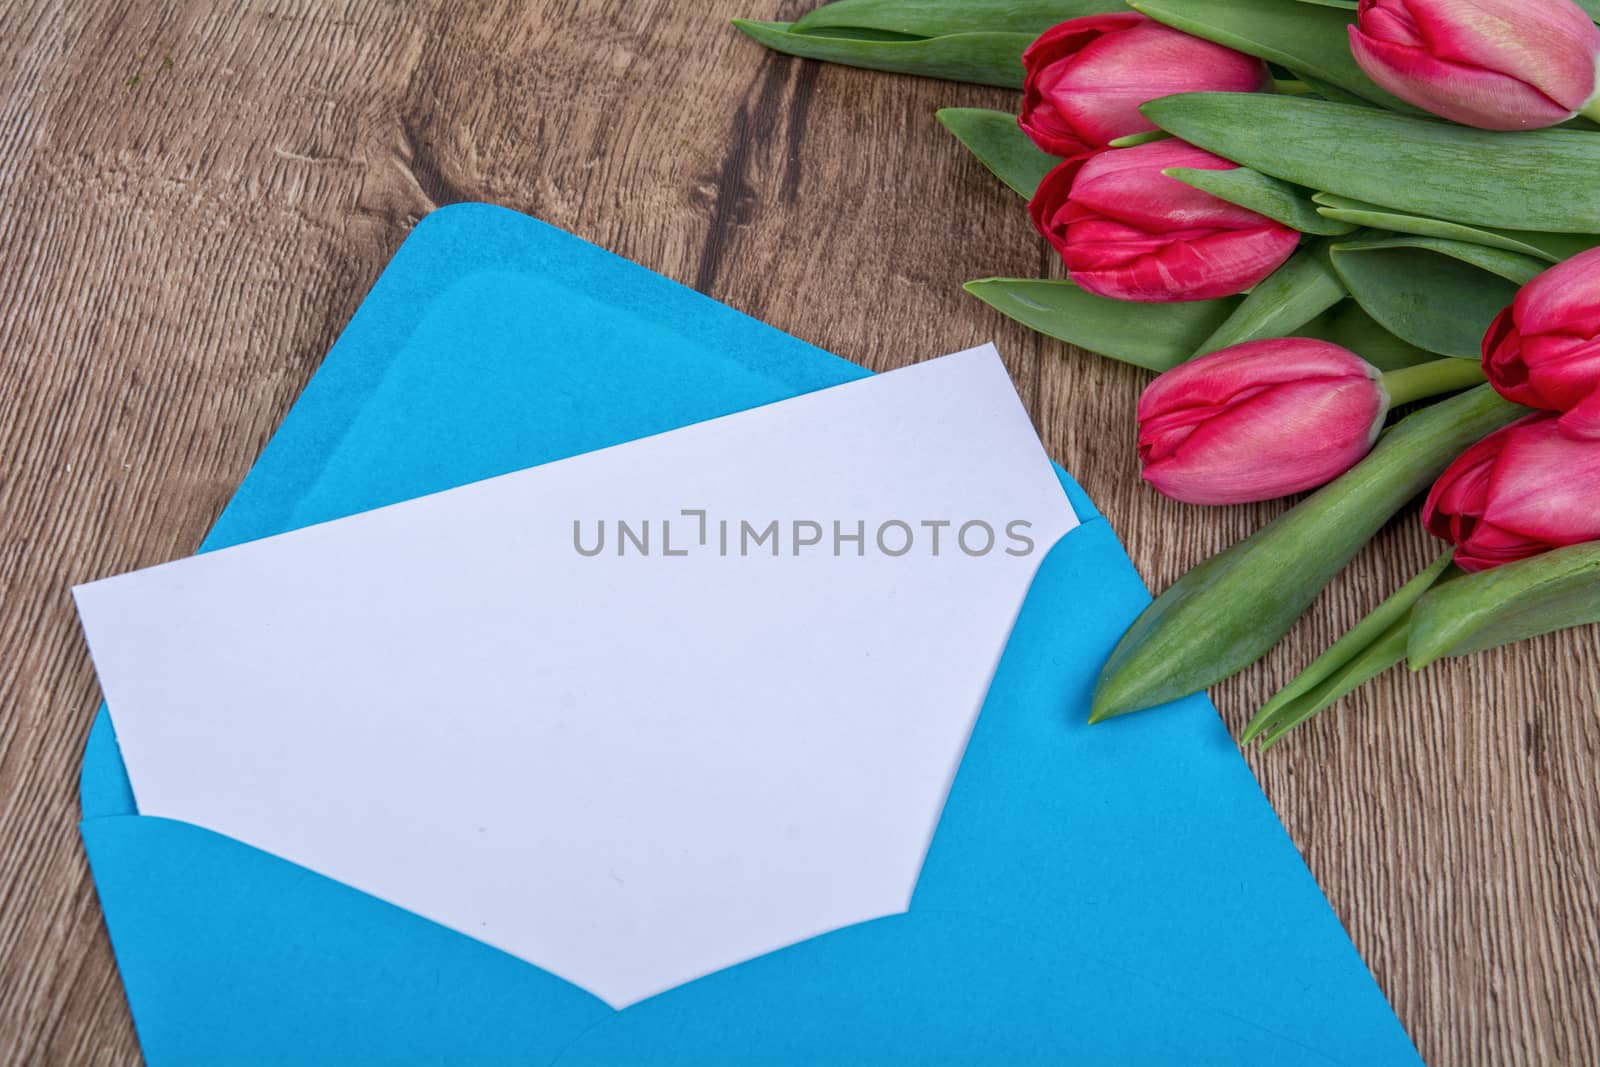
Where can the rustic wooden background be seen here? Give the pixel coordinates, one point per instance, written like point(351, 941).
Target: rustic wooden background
point(194, 197)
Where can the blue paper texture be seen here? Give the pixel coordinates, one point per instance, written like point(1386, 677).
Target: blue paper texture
point(1121, 894)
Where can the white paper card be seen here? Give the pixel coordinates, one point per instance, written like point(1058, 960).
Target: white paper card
point(633, 767)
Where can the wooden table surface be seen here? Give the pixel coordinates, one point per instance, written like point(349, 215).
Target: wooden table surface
point(194, 197)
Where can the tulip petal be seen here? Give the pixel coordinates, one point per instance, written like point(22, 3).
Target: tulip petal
point(1221, 376)
point(1502, 359)
point(1162, 436)
point(1087, 78)
point(1548, 44)
point(1047, 117)
point(1492, 548)
point(1155, 60)
point(1127, 231)
point(1460, 491)
point(1259, 420)
point(1562, 371)
point(1127, 184)
point(1583, 420)
point(1051, 199)
point(1065, 38)
point(1518, 492)
point(1565, 298)
point(1544, 351)
point(1100, 90)
point(1280, 441)
point(1391, 22)
point(1051, 133)
point(1546, 485)
point(1467, 94)
point(1200, 268)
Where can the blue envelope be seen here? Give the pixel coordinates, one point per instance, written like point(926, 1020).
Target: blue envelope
point(1121, 894)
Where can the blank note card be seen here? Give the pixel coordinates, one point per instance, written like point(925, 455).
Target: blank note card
point(632, 716)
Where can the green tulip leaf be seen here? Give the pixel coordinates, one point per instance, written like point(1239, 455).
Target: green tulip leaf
point(1591, 8)
point(982, 58)
point(939, 18)
point(1227, 612)
point(1155, 336)
point(1514, 267)
point(1553, 591)
point(1373, 645)
point(1294, 294)
point(995, 138)
point(1428, 296)
point(1348, 324)
point(1386, 650)
point(1538, 180)
point(862, 33)
point(1550, 247)
point(1311, 40)
point(1275, 199)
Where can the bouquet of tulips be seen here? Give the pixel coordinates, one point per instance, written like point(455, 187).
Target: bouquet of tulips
point(1328, 211)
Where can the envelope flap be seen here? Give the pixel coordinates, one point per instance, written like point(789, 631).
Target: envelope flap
point(494, 342)
point(1021, 998)
point(233, 956)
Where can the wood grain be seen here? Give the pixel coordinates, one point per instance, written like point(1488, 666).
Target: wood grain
point(194, 197)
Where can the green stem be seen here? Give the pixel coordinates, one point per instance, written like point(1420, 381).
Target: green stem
point(1591, 110)
point(1450, 375)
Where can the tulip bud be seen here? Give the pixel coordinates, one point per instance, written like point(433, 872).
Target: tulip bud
point(1544, 350)
point(1086, 78)
point(1259, 420)
point(1129, 232)
point(1520, 491)
point(1494, 64)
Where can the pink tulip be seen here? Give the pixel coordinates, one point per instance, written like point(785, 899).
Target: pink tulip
point(1127, 231)
point(1520, 491)
point(1495, 64)
point(1259, 420)
point(1544, 350)
point(1086, 78)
